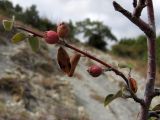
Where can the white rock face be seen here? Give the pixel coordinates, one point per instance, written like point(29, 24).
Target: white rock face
point(90, 92)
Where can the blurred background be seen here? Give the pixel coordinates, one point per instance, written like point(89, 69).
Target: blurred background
point(28, 89)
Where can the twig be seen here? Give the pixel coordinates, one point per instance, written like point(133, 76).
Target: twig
point(116, 71)
point(137, 21)
point(82, 52)
point(136, 99)
point(134, 3)
point(156, 93)
point(150, 31)
point(154, 114)
point(39, 34)
point(138, 9)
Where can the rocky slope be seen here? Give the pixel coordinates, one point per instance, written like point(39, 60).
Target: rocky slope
point(32, 87)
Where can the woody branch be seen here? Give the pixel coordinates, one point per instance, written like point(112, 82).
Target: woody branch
point(150, 31)
point(116, 71)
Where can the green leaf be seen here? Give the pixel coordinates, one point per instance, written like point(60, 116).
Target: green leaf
point(112, 97)
point(34, 43)
point(157, 107)
point(130, 66)
point(109, 99)
point(18, 37)
point(8, 24)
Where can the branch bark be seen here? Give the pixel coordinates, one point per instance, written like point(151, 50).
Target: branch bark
point(137, 21)
point(134, 3)
point(154, 114)
point(150, 31)
point(138, 9)
point(151, 72)
point(156, 93)
point(116, 71)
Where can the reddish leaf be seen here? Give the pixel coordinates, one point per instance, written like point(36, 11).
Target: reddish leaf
point(63, 60)
point(74, 61)
point(133, 84)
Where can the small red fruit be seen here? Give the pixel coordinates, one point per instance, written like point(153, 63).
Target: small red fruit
point(95, 70)
point(62, 30)
point(51, 37)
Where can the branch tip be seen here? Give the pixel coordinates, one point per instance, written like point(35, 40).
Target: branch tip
point(117, 6)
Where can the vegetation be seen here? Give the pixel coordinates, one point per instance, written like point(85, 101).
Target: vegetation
point(29, 16)
point(135, 48)
point(95, 30)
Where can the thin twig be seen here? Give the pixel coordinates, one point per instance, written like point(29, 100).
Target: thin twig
point(156, 93)
point(154, 114)
point(138, 9)
point(137, 21)
point(82, 52)
point(134, 3)
point(116, 71)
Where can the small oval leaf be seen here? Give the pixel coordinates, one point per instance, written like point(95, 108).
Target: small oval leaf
point(112, 97)
point(18, 37)
point(8, 24)
point(130, 66)
point(109, 99)
point(64, 60)
point(34, 43)
point(133, 84)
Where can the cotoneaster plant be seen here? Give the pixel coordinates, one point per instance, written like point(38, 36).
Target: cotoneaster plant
point(95, 70)
point(51, 37)
point(68, 64)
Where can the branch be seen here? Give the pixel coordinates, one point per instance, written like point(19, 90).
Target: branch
point(151, 43)
point(117, 72)
point(137, 21)
point(138, 9)
point(151, 18)
point(156, 93)
point(154, 114)
point(134, 3)
point(39, 34)
point(136, 99)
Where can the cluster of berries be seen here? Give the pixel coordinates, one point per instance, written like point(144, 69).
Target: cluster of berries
point(52, 37)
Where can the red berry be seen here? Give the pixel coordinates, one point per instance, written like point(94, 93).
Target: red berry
point(95, 70)
point(62, 30)
point(51, 37)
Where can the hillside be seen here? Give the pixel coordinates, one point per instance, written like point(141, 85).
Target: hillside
point(33, 87)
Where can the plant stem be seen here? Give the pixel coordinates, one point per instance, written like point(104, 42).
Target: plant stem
point(151, 72)
point(116, 71)
point(80, 51)
point(150, 31)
